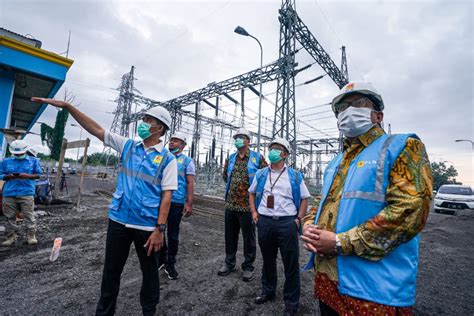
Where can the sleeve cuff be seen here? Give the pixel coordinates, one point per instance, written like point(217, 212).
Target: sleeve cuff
point(169, 188)
point(346, 245)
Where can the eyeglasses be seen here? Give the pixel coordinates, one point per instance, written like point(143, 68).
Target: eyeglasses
point(357, 103)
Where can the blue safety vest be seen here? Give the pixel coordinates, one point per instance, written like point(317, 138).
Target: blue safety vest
point(136, 200)
point(179, 196)
point(252, 167)
point(19, 187)
point(391, 280)
point(295, 178)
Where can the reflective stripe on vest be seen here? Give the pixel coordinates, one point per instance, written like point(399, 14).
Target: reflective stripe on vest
point(391, 280)
point(179, 196)
point(137, 197)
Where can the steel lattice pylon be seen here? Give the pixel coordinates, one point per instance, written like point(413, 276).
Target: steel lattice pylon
point(120, 123)
point(284, 123)
point(292, 30)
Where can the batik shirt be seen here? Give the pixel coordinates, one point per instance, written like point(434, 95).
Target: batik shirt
point(409, 196)
point(238, 196)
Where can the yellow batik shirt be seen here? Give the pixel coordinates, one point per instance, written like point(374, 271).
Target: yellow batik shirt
point(409, 196)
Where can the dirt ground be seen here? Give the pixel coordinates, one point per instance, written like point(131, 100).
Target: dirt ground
point(32, 285)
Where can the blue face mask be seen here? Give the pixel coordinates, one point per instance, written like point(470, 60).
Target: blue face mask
point(143, 130)
point(274, 155)
point(174, 150)
point(239, 143)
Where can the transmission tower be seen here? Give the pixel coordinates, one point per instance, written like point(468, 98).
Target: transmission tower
point(284, 123)
point(121, 122)
point(344, 63)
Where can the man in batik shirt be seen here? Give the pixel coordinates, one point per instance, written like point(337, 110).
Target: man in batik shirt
point(239, 171)
point(376, 197)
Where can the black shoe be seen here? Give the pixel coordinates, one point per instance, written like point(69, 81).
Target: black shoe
point(225, 270)
point(171, 272)
point(247, 276)
point(264, 298)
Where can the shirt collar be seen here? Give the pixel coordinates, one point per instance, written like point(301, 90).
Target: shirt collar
point(367, 138)
point(158, 147)
point(279, 170)
point(246, 154)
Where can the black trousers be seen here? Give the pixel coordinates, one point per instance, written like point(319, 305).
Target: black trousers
point(234, 221)
point(169, 250)
point(326, 310)
point(280, 233)
point(117, 248)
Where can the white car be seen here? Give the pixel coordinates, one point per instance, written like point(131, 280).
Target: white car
point(453, 197)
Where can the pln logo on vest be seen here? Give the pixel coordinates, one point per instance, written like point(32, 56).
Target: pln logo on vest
point(363, 163)
point(180, 160)
point(158, 160)
point(254, 160)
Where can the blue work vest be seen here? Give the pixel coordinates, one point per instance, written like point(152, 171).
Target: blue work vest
point(295, 178)
point(20, 187)
point(391, 280)
point(252, 167)
point(179, 196)
point(136, 200)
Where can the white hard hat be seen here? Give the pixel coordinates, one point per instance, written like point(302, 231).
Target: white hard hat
point(242, 131)
point(18, 147)
point(32, 151)
point(281, 141)
point(361, 87)
point(180, 136)
point(161, 114)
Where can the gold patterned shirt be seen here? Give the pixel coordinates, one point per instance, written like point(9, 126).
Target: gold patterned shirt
point(409, 196)
point(238, 195)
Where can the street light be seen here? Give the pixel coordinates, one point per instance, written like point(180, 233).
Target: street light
point(241, 31)
point(80, 136)
point(465, 140)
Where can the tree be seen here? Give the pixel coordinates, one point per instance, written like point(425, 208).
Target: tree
point(443, 174)
point(53, 137)
point(96, 159)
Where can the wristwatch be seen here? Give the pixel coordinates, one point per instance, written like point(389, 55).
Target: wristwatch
point(161, 227)
point(338, 247)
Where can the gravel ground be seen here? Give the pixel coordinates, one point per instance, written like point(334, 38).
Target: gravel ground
point(70, 286)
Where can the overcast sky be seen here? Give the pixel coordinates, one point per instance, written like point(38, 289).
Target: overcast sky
point(418, 54)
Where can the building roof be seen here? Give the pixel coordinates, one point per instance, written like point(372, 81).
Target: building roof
point(27, 40)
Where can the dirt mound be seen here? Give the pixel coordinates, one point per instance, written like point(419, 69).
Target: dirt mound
point(70, 286)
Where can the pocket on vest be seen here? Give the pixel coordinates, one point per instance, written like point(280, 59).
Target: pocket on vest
point(116, 200)
point(150, 206)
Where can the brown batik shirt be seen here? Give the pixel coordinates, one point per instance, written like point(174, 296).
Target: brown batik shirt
point(238, 196)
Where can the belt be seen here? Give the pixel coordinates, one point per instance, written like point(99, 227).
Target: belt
point(278, 218)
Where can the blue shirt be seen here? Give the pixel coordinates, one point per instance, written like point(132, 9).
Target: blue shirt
point(19, 187)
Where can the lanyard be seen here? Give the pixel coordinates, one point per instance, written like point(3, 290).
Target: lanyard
point(272, 185)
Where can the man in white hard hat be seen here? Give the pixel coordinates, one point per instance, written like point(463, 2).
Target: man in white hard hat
point(278, 201)
point(139, 209)
point(375, 200)
point(181, 203)
point(239, 171)
point(19, 173)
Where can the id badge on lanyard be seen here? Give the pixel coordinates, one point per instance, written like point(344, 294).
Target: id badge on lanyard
point(271, 197)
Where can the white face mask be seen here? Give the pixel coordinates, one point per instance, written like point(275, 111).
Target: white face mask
point(353, 121)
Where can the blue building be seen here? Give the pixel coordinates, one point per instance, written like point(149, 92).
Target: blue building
point(26, 70)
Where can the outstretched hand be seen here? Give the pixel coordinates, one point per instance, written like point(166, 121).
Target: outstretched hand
point(56, 103)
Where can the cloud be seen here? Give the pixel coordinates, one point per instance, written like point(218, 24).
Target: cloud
point(417, 53)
